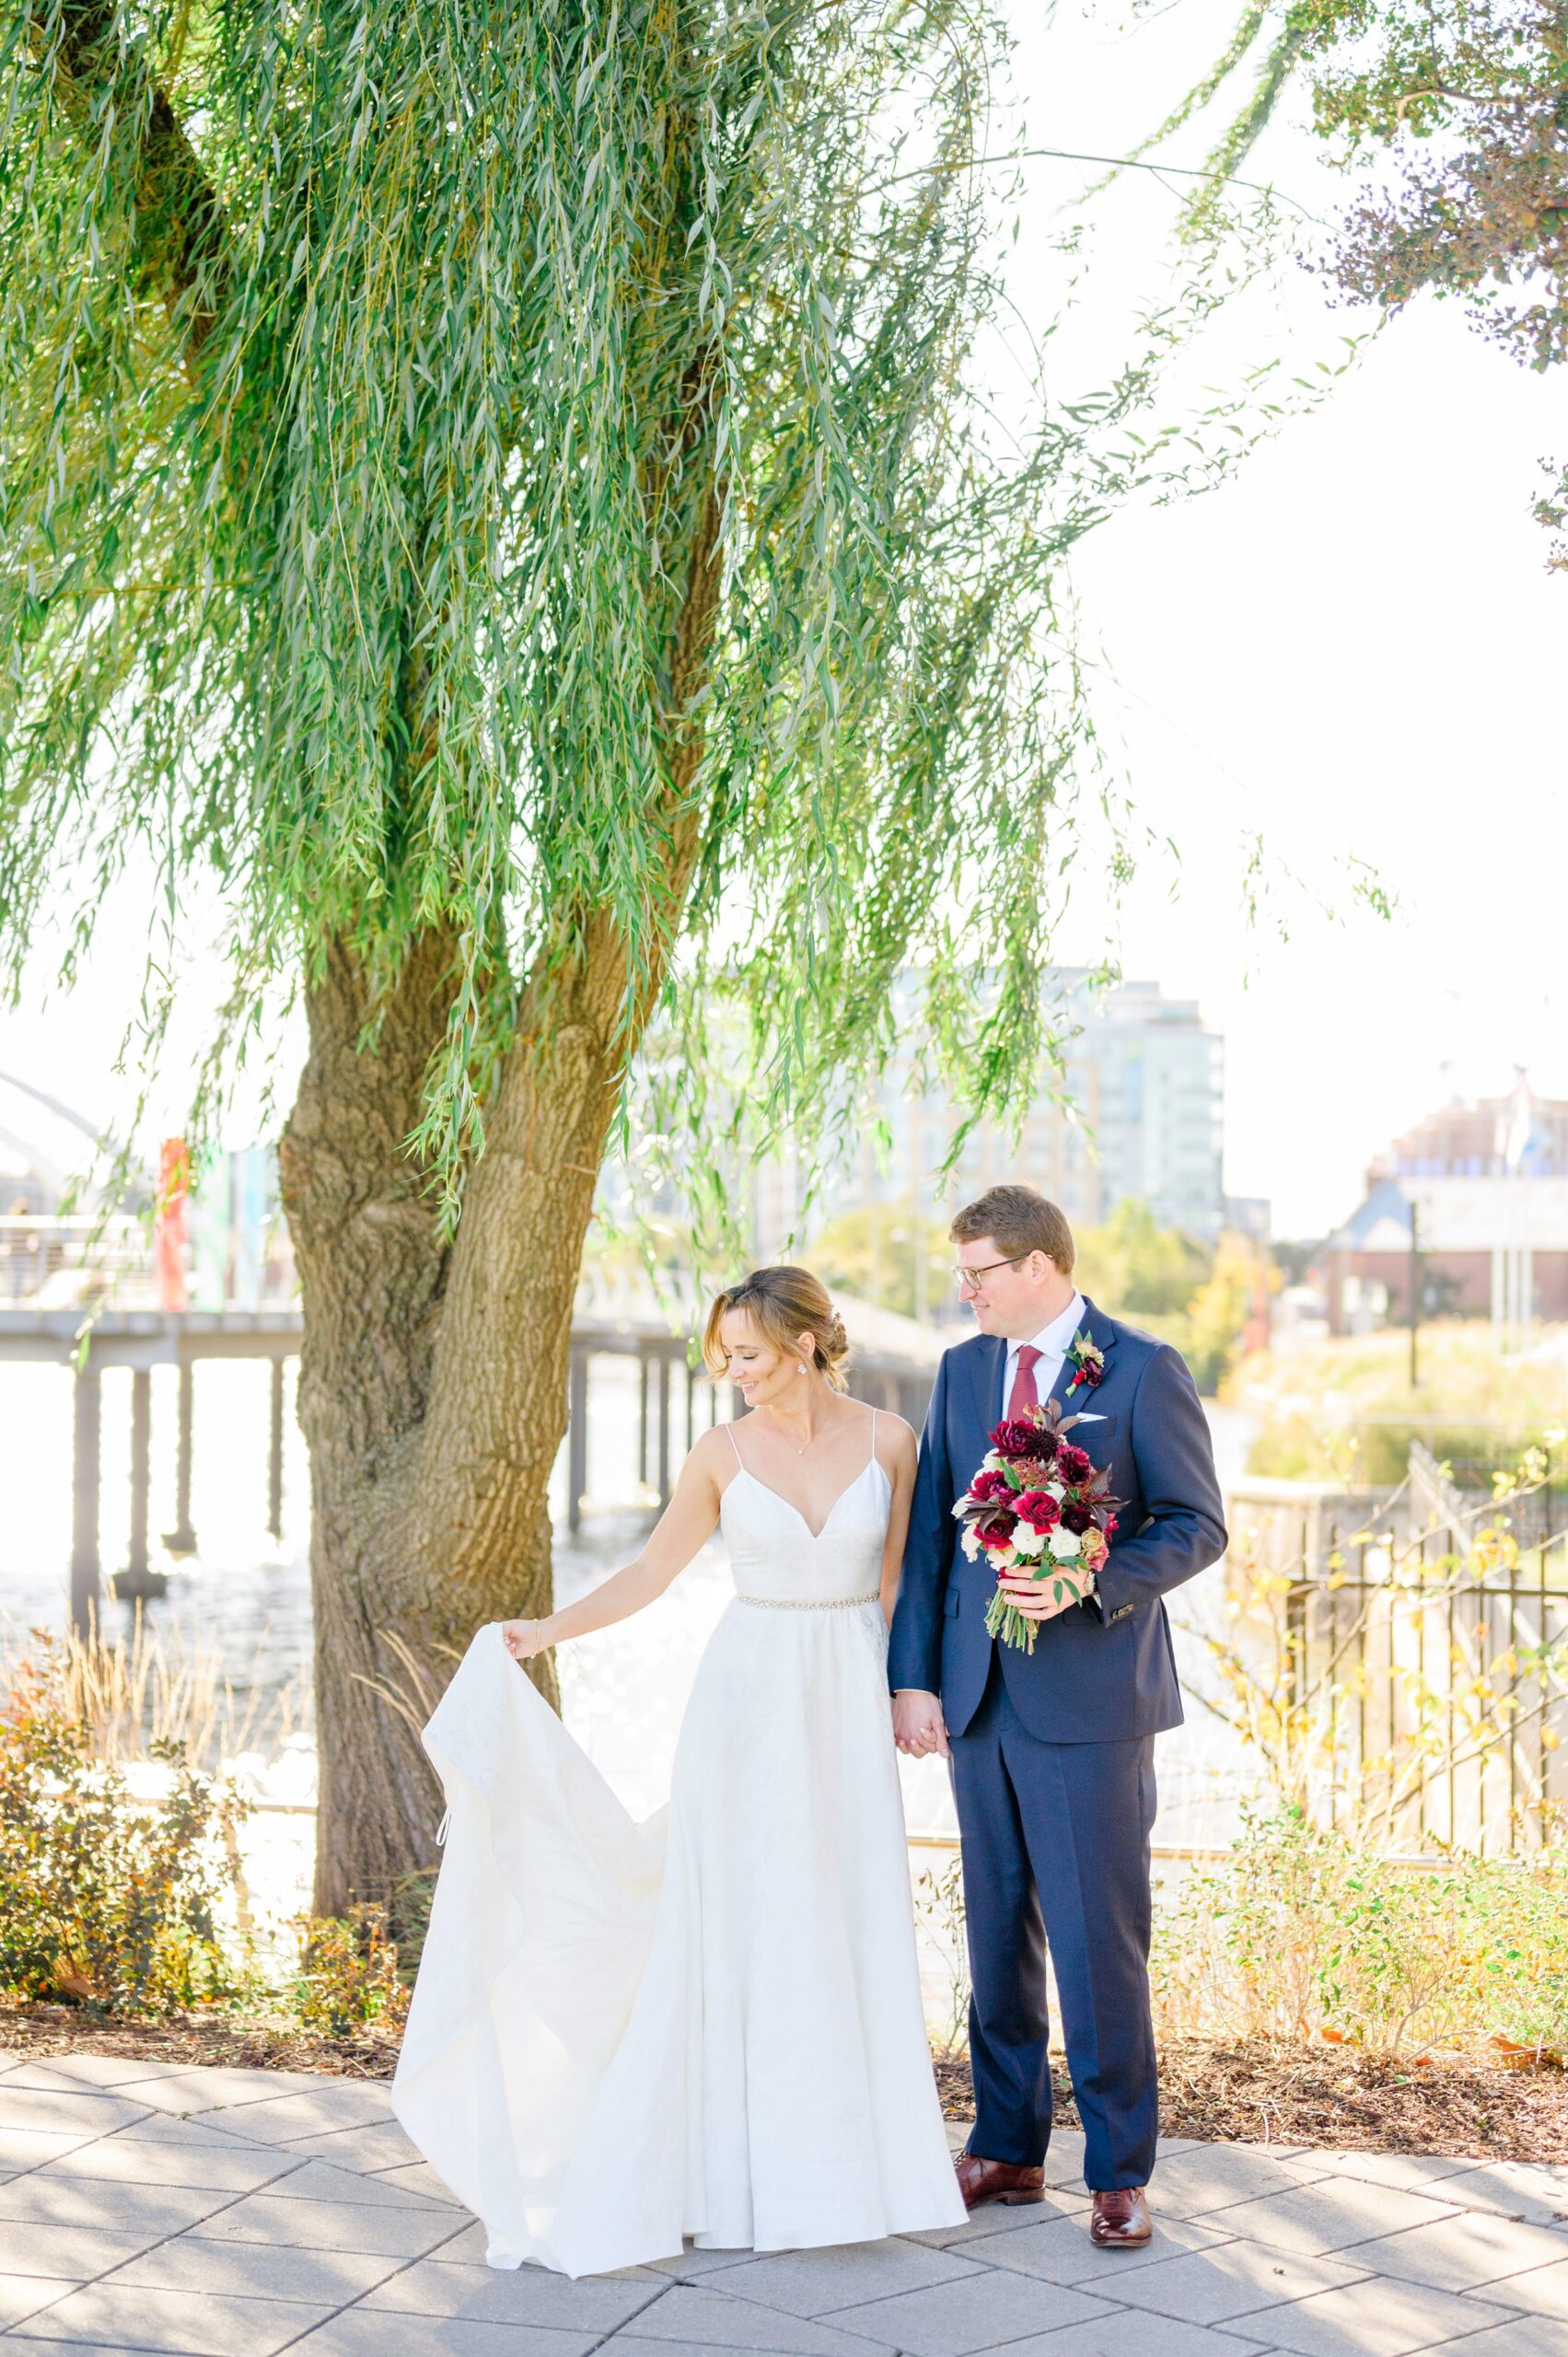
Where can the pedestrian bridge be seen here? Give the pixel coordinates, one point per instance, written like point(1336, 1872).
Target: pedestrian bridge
point(893, 1366)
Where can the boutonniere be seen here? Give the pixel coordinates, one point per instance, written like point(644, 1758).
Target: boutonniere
point(1089, 1363)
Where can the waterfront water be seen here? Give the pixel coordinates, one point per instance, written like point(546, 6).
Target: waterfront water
point(244, 1599)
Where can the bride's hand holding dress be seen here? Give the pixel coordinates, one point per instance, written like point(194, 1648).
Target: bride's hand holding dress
point(681, 1531)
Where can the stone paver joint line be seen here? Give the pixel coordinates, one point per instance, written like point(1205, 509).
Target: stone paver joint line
point(233, 2213)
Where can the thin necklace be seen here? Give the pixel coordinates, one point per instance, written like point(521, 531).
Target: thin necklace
point(804, 1446)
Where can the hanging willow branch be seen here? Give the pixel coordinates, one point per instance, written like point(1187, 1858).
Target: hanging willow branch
point(512, 467)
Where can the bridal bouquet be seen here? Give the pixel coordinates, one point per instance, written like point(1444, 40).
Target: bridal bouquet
point(1036, 1505)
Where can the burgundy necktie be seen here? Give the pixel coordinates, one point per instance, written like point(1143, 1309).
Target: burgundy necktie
point(1024, 1396)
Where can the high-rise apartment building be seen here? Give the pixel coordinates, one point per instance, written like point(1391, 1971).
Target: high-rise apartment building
point(1136, 1109)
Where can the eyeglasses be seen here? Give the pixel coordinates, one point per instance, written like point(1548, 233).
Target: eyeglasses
point(963, 1277)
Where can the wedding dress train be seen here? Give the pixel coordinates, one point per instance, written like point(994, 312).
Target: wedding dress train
point(709, 2024)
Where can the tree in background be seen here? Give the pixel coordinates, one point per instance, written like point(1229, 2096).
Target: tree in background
point(1136, 1269)
point(502, 493)
point(1218, 1311)
point(1195, 1294)
point(1469, 100)
point(895, 1255)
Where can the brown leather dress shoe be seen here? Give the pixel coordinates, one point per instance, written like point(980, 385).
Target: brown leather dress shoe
point(1120, 2219)
point(1004, 2181)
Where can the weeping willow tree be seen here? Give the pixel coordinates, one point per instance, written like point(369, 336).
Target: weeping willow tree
point(502, 487)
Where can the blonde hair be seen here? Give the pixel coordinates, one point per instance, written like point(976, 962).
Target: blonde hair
point(784, 1302)
point(1022, 1221)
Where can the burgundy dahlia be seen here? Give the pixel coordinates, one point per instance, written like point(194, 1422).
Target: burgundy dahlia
point(989, 1484)
point(1020, 1436)
point(1073, 1464)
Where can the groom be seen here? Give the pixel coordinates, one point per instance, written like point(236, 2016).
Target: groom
point(1052, 1752)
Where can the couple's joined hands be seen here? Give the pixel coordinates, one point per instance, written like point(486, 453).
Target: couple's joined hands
point(918, 1727)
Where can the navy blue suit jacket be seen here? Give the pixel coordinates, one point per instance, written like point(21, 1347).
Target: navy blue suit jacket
point(1104, 1669)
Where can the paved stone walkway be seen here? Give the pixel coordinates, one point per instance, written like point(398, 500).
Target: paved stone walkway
point(239, 2214)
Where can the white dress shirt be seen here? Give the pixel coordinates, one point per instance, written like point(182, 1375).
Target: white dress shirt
point(1052, 1343)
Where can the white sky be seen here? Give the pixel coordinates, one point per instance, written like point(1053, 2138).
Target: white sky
point(1353, 648)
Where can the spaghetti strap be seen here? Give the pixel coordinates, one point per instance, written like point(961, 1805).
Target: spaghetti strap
point(729, 1428)
point(873, 1435)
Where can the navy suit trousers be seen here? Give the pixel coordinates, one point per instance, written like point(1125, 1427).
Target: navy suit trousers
point(1056, 1852)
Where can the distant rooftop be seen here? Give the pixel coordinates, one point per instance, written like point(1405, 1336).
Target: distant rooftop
point(1459, 1215)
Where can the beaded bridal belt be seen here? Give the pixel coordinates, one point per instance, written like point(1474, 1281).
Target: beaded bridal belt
point(808, 1603)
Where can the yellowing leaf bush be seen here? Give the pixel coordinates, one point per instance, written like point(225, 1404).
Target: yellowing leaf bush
point(104, 1896)
point(348, 1976)
point(1303, 1931)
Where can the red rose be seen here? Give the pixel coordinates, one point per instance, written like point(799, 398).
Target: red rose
point(1073, 1464)
point(997, 1531)
point(1038, 1509)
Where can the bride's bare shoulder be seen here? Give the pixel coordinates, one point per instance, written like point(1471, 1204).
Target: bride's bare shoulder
point(896, 1441)
point(713, 1454)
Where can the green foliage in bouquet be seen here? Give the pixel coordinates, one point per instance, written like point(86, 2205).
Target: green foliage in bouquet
point(105, 1898)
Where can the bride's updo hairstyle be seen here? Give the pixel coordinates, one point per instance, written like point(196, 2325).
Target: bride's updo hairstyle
point(783, 1303)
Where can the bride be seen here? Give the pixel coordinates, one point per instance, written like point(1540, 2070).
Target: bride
point(710, 2025)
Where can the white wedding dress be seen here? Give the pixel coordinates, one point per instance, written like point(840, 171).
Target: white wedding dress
point(709, 2024)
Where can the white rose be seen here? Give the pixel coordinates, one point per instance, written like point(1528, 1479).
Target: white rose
point(1026, 1541)
point(1054, 1490)
point(971, 1543)
point(1064, 1544)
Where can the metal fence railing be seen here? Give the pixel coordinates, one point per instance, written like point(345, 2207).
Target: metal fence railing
point(1431, 1680)
point(42, 1253)
point(1399, 1658)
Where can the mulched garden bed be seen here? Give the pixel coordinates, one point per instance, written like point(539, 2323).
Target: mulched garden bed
point(1255, 2093)
point(210, 2039)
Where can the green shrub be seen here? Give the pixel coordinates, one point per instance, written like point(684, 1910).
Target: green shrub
point(1374, 1453)
point(348, 1976)
point(1301, 1932)
point(1344, 1409)
point(1237, 1954)
point(104, 1897)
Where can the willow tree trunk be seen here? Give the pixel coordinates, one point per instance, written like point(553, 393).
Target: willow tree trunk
point(433, 1389)
point(434, 1376)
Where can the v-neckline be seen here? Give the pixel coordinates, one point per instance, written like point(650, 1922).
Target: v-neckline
point(790, 1507)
